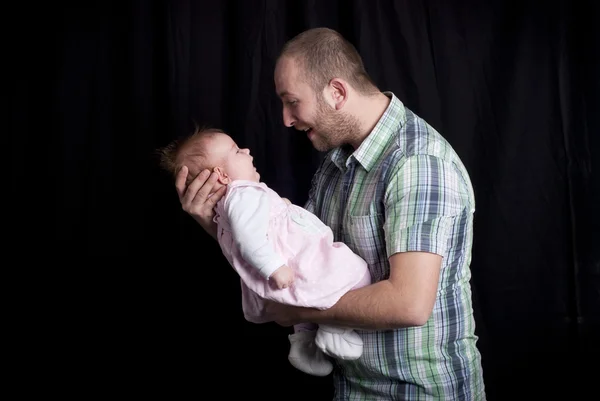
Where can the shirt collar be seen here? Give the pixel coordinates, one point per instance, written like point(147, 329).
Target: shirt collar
point(375, 143)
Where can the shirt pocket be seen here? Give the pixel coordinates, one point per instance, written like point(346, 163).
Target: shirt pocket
point(366, 237)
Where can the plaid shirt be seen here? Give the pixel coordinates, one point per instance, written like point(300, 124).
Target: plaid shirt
point(405, 189)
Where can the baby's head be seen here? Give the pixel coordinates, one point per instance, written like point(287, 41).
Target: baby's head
point(210, 149)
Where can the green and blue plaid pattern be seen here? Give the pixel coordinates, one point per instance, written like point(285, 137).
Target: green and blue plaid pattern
point(405, 189)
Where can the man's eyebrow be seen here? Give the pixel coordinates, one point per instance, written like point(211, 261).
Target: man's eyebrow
point(284, 93)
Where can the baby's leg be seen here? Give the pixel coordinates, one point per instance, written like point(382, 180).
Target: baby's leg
point(305, 327)
point(339, 342)
point(304, 354)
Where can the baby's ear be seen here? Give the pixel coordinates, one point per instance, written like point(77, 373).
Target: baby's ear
point(223, 177)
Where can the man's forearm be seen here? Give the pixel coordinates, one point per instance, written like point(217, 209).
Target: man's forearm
point(375, 307)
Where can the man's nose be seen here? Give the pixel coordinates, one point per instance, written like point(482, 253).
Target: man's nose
point(288, 120)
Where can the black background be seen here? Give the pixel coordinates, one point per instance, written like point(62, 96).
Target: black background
point(128, 296)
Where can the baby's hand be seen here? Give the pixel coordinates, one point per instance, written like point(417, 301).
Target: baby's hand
point(286, 200)
point(283, 277)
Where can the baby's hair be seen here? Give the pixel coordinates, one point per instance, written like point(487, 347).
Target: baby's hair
point(173, 155)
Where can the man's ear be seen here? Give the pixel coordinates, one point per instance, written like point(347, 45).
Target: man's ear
point(223, 177)
point(337, 91)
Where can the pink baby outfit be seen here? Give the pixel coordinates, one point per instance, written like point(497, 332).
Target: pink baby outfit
point(256, 224)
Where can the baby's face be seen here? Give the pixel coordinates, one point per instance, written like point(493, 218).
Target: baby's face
point(235, 162)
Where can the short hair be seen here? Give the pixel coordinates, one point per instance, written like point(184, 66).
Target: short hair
point(173, 155)
point(323, 54)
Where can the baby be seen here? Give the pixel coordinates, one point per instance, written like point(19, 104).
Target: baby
point(282, 252)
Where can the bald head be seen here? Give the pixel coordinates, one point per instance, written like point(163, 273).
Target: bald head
point(322, 54)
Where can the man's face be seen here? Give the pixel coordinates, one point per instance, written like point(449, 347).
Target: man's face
point(307, 111)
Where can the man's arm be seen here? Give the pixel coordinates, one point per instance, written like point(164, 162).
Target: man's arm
point(421, 201)
point(405, 299)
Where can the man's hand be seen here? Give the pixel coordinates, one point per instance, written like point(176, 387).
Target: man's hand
point(194, 197)
point(283, 277)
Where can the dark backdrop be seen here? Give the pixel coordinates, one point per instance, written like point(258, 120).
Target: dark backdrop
point(140, 300)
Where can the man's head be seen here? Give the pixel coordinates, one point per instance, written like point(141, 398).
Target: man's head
point(318, 73)
point(210, 149)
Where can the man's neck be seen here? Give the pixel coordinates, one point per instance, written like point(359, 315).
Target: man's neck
point(368, 111)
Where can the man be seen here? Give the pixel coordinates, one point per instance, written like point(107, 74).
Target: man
point(396, 193)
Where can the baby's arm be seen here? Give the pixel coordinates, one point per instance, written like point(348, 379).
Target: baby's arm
point(248, 212)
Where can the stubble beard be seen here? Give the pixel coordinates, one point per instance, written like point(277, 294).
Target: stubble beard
point(334, 128)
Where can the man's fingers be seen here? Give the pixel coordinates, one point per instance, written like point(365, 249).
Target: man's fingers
point(212, 201)
point(180, 181)
point(198, 186)
point(202, 188)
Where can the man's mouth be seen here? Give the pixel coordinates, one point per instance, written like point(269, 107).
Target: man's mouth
point(308, 131)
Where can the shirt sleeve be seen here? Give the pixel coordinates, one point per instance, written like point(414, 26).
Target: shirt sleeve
point(247, 210)
point(422, 200)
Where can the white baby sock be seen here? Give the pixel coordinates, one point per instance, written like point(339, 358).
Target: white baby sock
point(306, 356)
point(339, 342)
